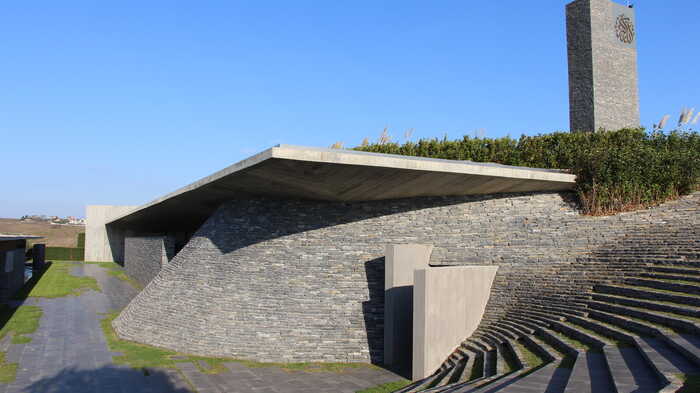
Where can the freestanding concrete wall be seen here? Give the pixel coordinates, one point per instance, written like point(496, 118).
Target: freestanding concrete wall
point(401, 261)
point(104, 244)
point(448, 305)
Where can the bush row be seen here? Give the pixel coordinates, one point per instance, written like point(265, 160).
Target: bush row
point(615, 171)
point(65, 253)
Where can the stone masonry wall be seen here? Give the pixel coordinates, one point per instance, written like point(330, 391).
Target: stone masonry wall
point(303, 281)
point(145, 256)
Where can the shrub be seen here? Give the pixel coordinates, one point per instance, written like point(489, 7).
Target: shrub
point(615, 171)
point(65, 253)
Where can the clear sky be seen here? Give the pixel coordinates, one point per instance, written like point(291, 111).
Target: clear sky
point(120, 102)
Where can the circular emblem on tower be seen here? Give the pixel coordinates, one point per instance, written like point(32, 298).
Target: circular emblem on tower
point(624, 29)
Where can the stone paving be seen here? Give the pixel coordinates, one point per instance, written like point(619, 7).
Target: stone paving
point(69, 354)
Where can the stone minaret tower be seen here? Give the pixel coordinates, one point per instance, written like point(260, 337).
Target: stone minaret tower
point(602, 46)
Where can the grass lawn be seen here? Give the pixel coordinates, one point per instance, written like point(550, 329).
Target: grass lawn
point(116, 270)
point(387, 387)
point(16, 322)
point(57, 281)
point(691, 383)
point(144, 356)
point(8, 371)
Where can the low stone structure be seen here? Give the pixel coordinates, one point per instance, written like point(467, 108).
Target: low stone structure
point(12, 258)
point(145, 256)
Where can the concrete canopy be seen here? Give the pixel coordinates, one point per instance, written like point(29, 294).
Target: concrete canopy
point(294, 172)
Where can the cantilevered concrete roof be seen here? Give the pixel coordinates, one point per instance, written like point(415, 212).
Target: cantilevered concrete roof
point(5, 237)
point(286, 171)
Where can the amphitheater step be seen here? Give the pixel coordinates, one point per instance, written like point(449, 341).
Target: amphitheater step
point(670, 320)
point(651, 294)
point(647, 304)
point(680, 270)
point(687, 344)
point(590, 374)
point(682, 287)
point(669, 363)
point(671, 277)
point(630, 372)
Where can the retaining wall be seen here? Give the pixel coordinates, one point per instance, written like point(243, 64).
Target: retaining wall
point(303, 281)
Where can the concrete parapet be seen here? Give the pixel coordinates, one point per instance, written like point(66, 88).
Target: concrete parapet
point(448, 304)
point(400, 263)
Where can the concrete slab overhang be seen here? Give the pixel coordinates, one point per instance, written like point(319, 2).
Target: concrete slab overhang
point(295, 172)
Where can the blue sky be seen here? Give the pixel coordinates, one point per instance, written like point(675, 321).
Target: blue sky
point(121, 102)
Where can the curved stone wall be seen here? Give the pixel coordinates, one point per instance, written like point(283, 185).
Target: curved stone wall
point(303, 281)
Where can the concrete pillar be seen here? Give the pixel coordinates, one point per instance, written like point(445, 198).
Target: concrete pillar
point(38, 256)
point(400, 263)
point(448, 304)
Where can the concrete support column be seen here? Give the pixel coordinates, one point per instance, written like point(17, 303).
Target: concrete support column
point(38, 256)
point(448, 304)
point(400, 263)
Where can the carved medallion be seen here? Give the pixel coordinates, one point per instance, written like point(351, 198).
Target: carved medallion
point(624, 29)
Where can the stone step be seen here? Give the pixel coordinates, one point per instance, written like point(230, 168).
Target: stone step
point(630, 371)
point(648, 304)
point(507, 331)
point(590, 374)
point(684, 288)
point(687, 344)
point(671, 277)
point(481, 344)
point(518, 327)
point(466, 369)
point(665, 371)
point(603, 329)
point(542, 349)
point(423, 383)
point(651, 294)
point(490, 363)
point(670, 320)
point(573, 332)
point(668, 363)
point(678, 270)
point(642, 328)
point(549, 378)
point(477, 370)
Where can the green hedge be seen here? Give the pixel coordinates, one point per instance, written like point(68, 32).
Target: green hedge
point(65, 253)
point(81, 240)
point(616, 171)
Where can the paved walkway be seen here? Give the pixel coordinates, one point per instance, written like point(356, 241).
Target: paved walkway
point(68, 354)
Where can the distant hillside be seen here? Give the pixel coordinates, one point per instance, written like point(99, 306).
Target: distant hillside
point(54, 235)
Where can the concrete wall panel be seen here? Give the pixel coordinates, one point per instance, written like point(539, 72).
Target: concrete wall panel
point(401, 261)
point(104, 244)
point(448, 305)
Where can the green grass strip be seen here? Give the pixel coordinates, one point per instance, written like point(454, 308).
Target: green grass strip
point(57, 281)
point(8, 371)
point(144, 356)
point(387, 387)
point(18, 322)
point(691, 383)
point(116, 270)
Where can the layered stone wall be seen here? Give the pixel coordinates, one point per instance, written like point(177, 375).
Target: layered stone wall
point(303, 281)
point(145, 256)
